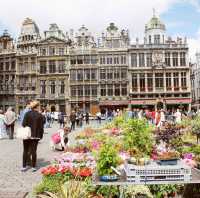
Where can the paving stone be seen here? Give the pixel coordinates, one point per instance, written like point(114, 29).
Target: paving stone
point(12, 180)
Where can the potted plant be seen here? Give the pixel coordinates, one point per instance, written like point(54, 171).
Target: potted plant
point(106, 161)
point(168, 158)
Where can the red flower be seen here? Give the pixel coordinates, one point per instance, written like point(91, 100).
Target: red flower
point(82, 172)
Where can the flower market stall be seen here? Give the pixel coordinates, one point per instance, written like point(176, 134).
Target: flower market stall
point(110, 161)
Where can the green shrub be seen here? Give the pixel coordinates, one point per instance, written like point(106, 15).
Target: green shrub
point(107, 157)
point(138, 136)
point(50, 184)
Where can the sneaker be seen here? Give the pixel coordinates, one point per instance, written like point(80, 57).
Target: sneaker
point(34, 169)
point(23, 169)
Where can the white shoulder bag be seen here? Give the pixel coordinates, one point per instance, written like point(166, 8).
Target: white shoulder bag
point(23, 133)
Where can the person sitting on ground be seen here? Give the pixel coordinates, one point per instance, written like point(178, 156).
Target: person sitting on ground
point(59, 139)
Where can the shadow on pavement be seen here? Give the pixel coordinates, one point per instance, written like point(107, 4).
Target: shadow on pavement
point(41, 162)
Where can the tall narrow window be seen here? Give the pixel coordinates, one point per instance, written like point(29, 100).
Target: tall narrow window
point(109, 74)
point(168, 82)
point(73, 91)
point(52, 87)
point(149, 59)
point(116, 60)
point(110, 90)
point(43, 67)
point(159, 84)
point(176, 81)
point(80, 90)
point(123, 74)
point(175, 58)
point(183, 81)
point(52, 66)
point(123, 60)
point(73, 75)
point(94, 90)
point(117, 73)
point(141, 60)
point(52, 51)
point(93, 74)
point(134, 60)
point(80, 74)
point(149, 39)
point(142, 82)
point(87, 90)
point(182, 59)
point(117, 90)
point(102, 74)
point(87, 74)
point(124, 89)
point(134, 83)
point(157, 39)
point(86, 59)
point(167, 59)
point(43, 87)
point(80, 60)
point(94, 59)
point(62, 87)
point(61, 66)
point(73, 60)
point(103, 90)
point(150, 82)
point(102, 60)
point(61, 51)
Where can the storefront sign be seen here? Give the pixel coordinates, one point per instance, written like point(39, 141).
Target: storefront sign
point(113, 103)
point(143, 102)
point(177, 101)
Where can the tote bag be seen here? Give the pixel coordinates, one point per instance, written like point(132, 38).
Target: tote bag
point(56, 138)
point(23, 133)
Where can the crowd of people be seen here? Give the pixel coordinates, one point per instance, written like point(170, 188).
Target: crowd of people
point(38, 118)
point(160, 116)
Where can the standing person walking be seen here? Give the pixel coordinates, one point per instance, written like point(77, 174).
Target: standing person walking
point(24, 111)
point(35, 121)
point(72, 120)
point(99, 117)
point(178, 116)
point(87, 116)
point(10, 118)
point(80, 119)
point(3, 133)
point(61, 119)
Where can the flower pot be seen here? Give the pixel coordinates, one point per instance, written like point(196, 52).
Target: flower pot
point(168, 162)
point(108, 178)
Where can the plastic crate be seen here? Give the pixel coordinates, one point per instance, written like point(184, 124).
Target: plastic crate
point(158, 173)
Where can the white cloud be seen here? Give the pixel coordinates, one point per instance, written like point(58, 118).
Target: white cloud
point(194, 46)
point(95, 14)
point(195, 3)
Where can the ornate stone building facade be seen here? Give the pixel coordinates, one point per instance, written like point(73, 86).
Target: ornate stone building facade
point(70, 70)
point(7, 71)
point(52, 58)
point(26, 59)
point(159, 68)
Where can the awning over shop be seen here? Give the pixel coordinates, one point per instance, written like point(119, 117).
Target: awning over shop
point(113, 102)
point(179, 101)
point(167, 101)
point(143, 102)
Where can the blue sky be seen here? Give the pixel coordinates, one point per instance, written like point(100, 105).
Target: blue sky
point(182, 17)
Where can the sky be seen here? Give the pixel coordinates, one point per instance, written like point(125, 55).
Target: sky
point(181, 17)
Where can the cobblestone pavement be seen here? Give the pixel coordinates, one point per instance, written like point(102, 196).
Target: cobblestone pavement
point(12, 181)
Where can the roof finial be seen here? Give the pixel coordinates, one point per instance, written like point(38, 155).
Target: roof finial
point(154, 12)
